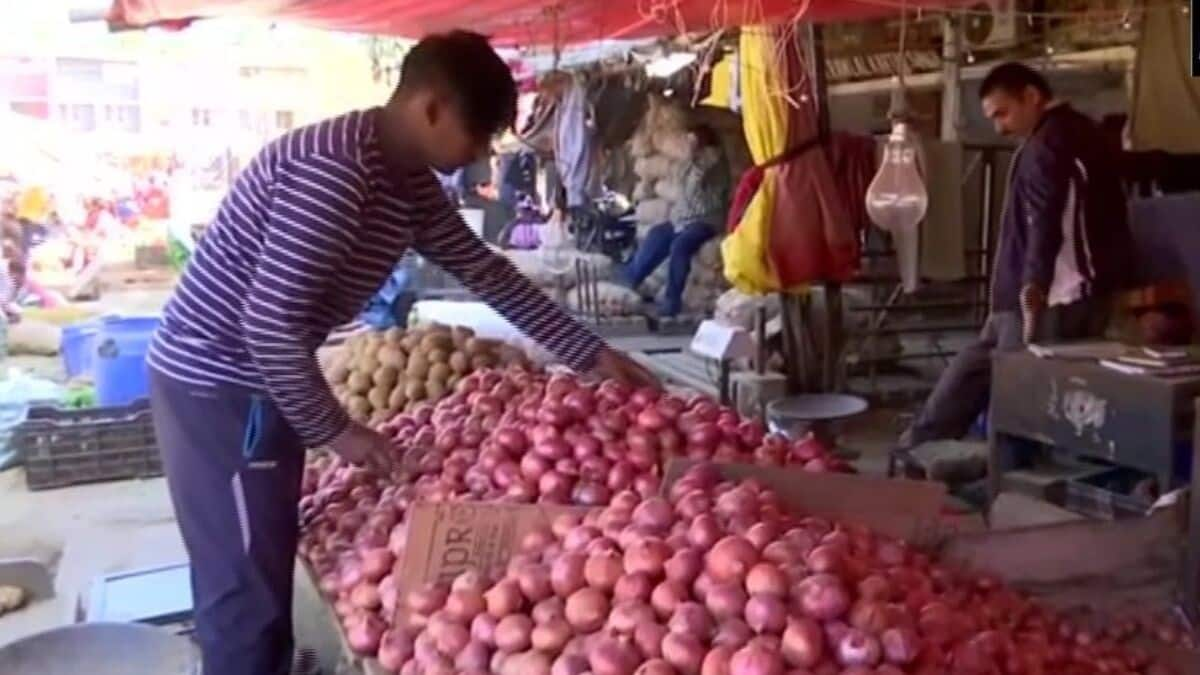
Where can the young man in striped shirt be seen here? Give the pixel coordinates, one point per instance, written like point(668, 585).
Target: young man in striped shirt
point(308, 233)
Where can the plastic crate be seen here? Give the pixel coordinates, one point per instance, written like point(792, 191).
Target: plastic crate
point(66, 447)
point(1108, 495)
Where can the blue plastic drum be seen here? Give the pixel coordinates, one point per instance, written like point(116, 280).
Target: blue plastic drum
point(121, 373)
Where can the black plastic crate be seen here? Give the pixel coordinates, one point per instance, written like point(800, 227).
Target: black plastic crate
point(1108, 495)
point(63, 447)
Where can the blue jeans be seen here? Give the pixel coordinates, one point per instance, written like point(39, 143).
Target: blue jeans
point(663, 241)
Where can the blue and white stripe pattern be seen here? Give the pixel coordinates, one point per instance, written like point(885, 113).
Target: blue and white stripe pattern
point(309, 232)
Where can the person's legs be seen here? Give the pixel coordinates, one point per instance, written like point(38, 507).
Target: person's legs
point(962, 391)
point(233, 468)
point(683, 249)
point(654, 249)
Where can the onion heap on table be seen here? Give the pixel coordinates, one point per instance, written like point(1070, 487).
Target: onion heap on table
point(719, 580)
point(514, 436)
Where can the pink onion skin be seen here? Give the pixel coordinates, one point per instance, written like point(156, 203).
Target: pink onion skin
point(512, 633)
point(900, 645)
point(566, 574)
point(767, 579)
point(717, 661)
point(691, 618)
point(656, 667)
point(857, 648)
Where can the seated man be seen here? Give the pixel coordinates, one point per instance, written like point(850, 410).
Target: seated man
point(696, 217)
point(1063, 244)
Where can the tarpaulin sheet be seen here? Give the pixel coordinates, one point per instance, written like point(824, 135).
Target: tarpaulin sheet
point(516, 22)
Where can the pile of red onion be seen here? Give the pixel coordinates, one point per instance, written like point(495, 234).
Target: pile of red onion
point(524, 437)
point(510, 436)
point(718, 579)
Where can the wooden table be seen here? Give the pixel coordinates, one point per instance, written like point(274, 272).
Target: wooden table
point(1135, 421)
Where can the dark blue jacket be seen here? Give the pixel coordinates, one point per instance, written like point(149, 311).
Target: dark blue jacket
point(1065, 224)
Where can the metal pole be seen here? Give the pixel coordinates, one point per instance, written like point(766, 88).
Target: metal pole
point(952, 30)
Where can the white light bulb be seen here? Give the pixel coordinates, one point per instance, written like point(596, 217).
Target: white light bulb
point(897, 198)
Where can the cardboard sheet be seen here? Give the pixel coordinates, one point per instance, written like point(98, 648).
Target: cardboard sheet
point(910, 510)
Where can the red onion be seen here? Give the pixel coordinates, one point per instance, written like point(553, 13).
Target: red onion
point(587, 609)
point(684, 566)
point(655, 667)
point(754, 660)
point(766, 613)
point(603, 570)
point(900, 645)
point(731, 558)
point(364, 632)
point(636, 586)
point(823, 597)
point(648, 637)
point(649, 556)
point(609, 656)
point(667, 596)
point(857, 648)
point(483, 629)
point(767, 579)
point(693, 619)
point(803, 643)
point(627, 616)
point(725, 601)
point(733, 633)
point(503, 599)
point(512, 634)
point(683, 651)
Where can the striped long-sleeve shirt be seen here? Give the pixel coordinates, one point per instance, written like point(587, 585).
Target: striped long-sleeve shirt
point(308, 233)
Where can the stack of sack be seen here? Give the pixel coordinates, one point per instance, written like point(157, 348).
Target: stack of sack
point(658, 147)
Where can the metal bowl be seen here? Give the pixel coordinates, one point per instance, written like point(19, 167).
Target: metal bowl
point(101, 649)
point(795, 416)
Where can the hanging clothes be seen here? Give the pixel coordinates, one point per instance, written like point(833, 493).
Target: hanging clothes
point(1163, 73)
point(795, 227)
point(575, 147)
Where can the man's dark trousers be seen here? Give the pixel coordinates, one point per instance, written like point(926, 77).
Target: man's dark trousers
point(962, 391)
point(233, 468)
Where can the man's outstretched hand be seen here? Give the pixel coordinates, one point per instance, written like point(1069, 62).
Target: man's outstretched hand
point(364, 446)
point(619, 366)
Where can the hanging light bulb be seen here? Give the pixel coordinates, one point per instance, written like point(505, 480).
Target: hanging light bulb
point(897, 198)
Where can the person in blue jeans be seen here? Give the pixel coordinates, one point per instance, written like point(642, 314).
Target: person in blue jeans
point(695, 217)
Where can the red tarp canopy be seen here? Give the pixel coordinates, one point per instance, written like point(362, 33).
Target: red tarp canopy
point(515, 22)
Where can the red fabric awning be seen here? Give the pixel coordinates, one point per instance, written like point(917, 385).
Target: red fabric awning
point(513, 22)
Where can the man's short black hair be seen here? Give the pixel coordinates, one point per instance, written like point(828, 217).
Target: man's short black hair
point(1012, 78)
point(470, 71)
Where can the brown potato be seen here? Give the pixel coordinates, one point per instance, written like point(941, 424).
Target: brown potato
point(386, 376)
point(378, 396)
point(393, 336)
point(452, 382)
point(398, 397)
point(439, 372)
point(480, 345)
point(418, 366)
point(410, 342)
point(460, 363)
point(435, 390)
point(438, 356)
point(392, 355)
point(414, 390)
point(358, 383)
point(434, 341)
point(12, 598)
point(359, 408)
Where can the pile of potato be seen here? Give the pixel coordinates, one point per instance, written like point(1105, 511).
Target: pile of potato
point(380, 374)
